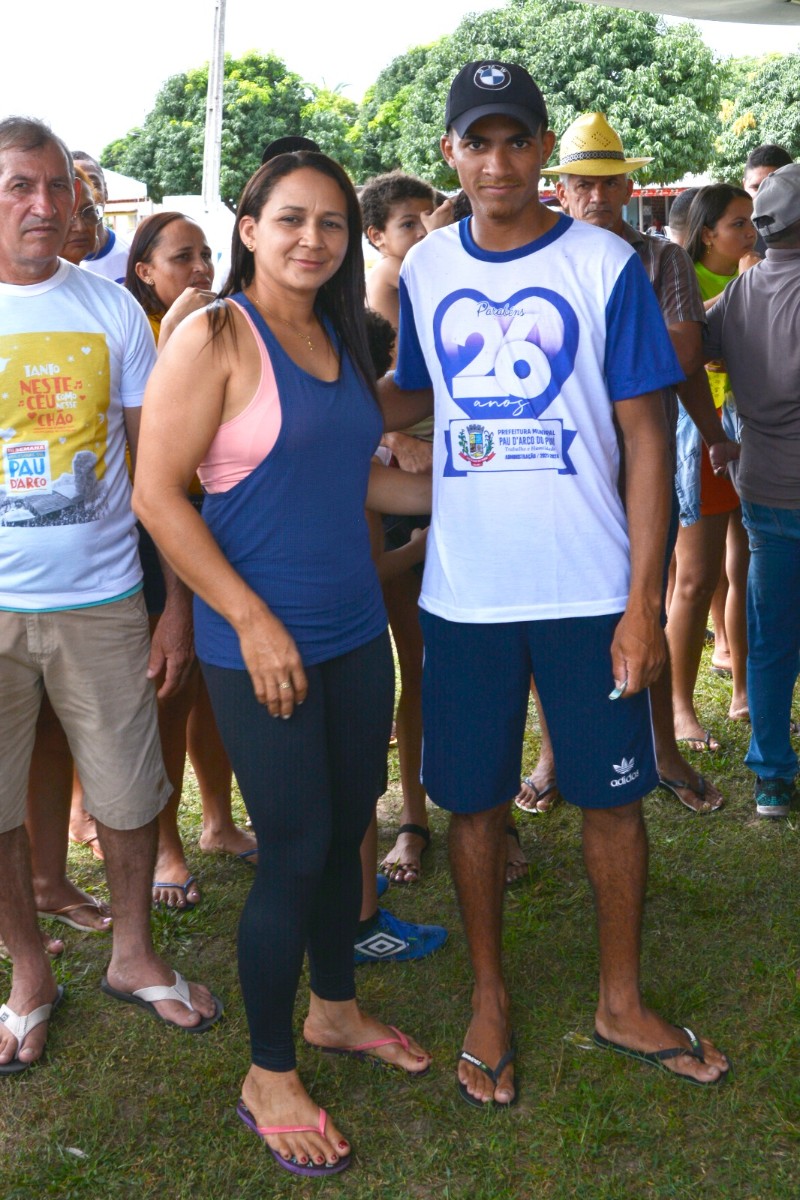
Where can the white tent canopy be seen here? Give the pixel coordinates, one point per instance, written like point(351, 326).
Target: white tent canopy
point(752, 12)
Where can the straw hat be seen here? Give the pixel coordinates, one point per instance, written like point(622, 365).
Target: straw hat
point(591, 147)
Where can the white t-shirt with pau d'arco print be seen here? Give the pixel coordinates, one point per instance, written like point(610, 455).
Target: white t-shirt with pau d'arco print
point(75, 351)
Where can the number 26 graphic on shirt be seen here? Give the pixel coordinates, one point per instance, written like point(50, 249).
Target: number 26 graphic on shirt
point(508, 357)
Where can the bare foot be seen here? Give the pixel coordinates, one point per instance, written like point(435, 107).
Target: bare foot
point(739, 713)
point(174, 886)
point(278, 1098)
point(52, 945)
point(516, 863)
point(83, 832)
point(342, 1026)
point(76, 908)
point(154, 972)
point(488, 1039)
point(232, 841)
point(649, 1033)
point(403, 863)
point(24, 999)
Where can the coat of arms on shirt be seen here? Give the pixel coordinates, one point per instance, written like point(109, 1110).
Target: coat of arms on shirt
point(476, 444)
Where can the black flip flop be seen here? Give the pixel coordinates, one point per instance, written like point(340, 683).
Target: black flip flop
point(494, 1075)
point(386, 867)
point(658, 1058)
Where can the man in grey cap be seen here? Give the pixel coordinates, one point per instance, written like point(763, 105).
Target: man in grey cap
point(755, 327)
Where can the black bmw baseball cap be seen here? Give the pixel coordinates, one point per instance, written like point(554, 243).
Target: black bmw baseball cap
point(481, 89)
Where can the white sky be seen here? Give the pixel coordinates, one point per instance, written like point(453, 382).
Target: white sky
point(93, 76)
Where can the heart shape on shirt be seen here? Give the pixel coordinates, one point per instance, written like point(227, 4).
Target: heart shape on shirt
point(508, 357)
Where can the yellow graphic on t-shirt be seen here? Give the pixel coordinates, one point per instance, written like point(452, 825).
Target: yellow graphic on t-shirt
point(54, 398)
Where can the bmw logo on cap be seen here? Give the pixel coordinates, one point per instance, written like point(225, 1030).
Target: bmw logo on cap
point(492, 77)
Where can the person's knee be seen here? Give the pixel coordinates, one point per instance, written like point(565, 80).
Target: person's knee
point(695, 589)
point(479, 823)
point(610, 820)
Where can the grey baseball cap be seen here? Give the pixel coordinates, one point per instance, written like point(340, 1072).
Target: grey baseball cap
point(777, 202)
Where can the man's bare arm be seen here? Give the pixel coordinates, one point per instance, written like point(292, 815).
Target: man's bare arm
point(172, 643)
point(638, 651)
point(402, 409)
point(695, 394)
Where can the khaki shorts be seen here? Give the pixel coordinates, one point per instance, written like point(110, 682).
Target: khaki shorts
point(93, 662)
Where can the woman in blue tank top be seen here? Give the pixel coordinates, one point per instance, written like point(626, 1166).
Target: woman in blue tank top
point(290, 625)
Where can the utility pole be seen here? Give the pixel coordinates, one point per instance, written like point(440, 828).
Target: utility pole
point(213, 131)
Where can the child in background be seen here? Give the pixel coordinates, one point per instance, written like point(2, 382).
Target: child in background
point(392, 207)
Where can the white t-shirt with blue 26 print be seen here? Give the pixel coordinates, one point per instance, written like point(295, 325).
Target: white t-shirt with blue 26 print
point(527, 350)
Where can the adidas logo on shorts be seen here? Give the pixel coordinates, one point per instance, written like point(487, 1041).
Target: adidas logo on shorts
point(625, 772)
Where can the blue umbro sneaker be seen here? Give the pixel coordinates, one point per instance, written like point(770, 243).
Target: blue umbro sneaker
point(393, 940)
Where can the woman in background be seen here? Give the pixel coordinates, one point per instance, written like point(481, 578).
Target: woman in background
point(719, 233)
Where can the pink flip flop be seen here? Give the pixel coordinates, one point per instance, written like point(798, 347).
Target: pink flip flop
point(291, 1164)
point(362, 1052)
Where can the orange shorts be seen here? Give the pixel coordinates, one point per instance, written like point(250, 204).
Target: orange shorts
point(717, 493)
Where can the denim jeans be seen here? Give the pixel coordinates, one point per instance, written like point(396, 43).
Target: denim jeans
point(773, 633)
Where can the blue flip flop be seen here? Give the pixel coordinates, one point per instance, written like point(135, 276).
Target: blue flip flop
point(180, 887)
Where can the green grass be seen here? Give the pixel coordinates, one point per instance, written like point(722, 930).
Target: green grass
point(124, 1107)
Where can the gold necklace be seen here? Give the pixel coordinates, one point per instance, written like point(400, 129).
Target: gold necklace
point(293, 328)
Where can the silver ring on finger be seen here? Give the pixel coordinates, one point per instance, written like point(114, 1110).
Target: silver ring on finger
point(284, 685)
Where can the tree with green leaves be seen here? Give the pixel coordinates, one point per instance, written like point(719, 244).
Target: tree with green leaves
point(262, 100)
point(330, 119)
point(761, 104)
point(382, 112)
point(658, 85)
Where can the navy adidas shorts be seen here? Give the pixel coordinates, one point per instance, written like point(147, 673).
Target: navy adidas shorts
point(475, 688)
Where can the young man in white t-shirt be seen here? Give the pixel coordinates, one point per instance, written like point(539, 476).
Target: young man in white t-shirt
point(75, 353)
point(541, 338)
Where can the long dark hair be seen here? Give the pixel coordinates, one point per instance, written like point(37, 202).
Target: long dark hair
point(707, 207)
point(145, 239)
point(341, 301)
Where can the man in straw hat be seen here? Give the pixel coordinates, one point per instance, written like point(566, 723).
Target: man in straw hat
point(594, 185)
point(540, 337)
